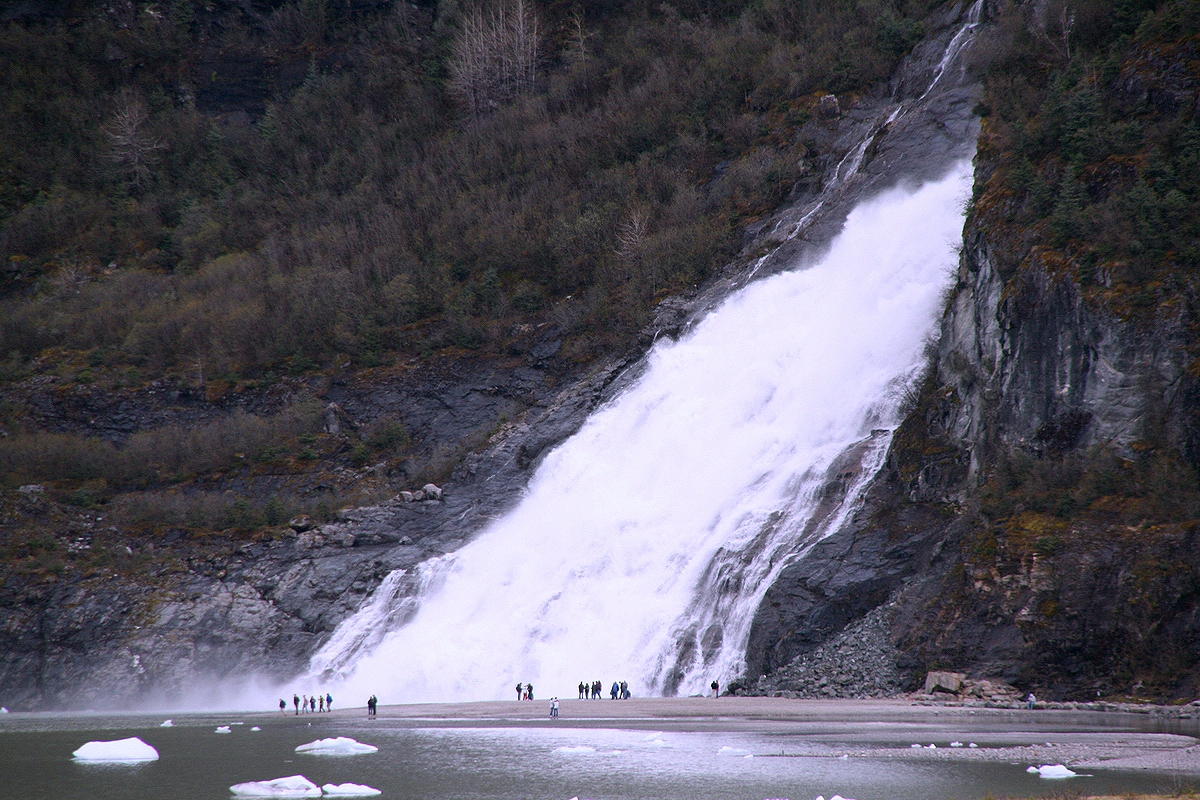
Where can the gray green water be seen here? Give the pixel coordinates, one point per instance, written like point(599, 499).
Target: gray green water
point(526, 763)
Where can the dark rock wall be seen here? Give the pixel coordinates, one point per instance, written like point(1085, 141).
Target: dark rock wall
point(1032, 375)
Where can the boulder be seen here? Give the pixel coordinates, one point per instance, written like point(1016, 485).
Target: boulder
point(432, 492)
point(337, 420)
point(418, 495)
point(943, 682)
point(405, 497)
point(828, 107)
point(301, 523)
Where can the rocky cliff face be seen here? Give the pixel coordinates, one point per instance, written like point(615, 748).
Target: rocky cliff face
point(1034, 522)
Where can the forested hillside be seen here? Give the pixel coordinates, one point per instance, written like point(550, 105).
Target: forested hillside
point(231, 196)
point(247, 188)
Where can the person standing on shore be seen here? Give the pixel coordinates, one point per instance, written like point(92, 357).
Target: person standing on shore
point(582, 690)
point(328, 702)
point(296, 703)
point(716, 687)
point(529, 691)
point(1029, 701)
point(520, 690)
point(553, 708)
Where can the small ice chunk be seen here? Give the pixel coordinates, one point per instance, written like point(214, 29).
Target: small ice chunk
point(291, 786)
point(956, 744)
point(844, 757)
point(1033, 770)
point(223, 729)
point(972, 745)
point(748, 755)
point(839, 797)
point(3, 710)
point(349, 790)
point(115, 751)
point(341, 746)
point(1055, 771)
point(167, 724)
point(237, 723)
point(574, 749)
point(256, 728)
point(915, 746)
point(731, 751)
point(931, 746)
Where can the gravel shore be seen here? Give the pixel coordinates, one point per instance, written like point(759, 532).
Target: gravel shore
point(1087, 738)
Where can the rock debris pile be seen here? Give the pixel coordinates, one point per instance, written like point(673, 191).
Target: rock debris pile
point(859, 662)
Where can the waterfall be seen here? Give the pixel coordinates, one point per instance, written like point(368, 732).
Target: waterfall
point(645, 542)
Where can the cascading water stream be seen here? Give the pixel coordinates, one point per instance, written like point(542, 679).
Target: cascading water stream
point(645, 542)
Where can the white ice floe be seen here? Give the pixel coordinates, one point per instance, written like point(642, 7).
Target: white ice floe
point(915, 746)
point(349, 790)
point(956, 744)
point(1032, 770)
point(117, 751)
point(574, 749)
point(167, 724)
point(256, 728)
point(3, 710)
point(839, 797)
point(223, 729)
point(291, 786)
point(972, 745)
point(732, 751)
point(341, 746)
point(931, 746)
point(1055, 771)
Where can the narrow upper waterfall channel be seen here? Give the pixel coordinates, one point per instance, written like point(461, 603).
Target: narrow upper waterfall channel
point(645, 541)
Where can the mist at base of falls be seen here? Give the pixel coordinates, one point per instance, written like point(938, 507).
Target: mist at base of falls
point(610, 557)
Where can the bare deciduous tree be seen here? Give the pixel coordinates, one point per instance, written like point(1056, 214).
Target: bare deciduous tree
point(496, 54)
point(130, 146)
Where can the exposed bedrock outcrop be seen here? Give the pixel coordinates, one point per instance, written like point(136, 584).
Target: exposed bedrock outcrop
point(1031, 373)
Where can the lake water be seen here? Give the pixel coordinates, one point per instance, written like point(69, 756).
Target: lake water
point(522, 762)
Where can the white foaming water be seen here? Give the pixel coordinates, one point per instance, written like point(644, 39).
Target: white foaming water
point(646, 541)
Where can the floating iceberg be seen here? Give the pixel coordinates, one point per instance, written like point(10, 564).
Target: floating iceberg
point(119, 750)
point(292, 786)
point(3, 710)
point(167, 724)
point(1032, 770)
point(256, 728)
point(341, 746)
point(956, 744)
point(569, 750)
point(223, 729)
point(1055, 771)
point(973, 746)
point(349, 790)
